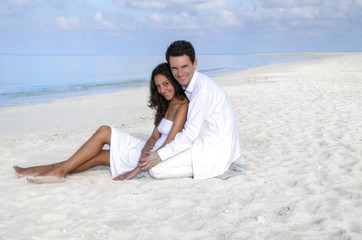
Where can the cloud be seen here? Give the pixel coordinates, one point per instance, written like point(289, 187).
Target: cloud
point(148, 4)
point(181, 20)
point(288, 4)
point(308, 13)
point(19, 2)
point(229, 18)
point(223, 16)
point(260, 18)
point(70, 23)
point(98, 22)
point(173, 5)
point(156, 17)
point(240, 21)
point(142, 4)
point(188, 15)
point(103, 23)
point(200, 5)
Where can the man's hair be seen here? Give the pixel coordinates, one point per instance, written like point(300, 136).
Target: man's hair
point(180, 48)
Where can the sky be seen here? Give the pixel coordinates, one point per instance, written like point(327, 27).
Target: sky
point(149, 26)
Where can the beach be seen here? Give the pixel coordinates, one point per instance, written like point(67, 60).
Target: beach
point(300, 129)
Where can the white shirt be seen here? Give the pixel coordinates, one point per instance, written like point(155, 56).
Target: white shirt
point(210, 130)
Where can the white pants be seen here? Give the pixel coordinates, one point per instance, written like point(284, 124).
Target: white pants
point(179, 166)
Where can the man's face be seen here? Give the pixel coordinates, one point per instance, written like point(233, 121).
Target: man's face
point(182, 69)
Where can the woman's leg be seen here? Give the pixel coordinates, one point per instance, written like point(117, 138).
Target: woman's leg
point(35, 170)
point(89, 155)
point(102, 159)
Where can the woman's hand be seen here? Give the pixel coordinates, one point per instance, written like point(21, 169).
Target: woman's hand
point(128, 175)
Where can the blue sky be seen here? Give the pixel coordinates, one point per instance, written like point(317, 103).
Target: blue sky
point(148, 26)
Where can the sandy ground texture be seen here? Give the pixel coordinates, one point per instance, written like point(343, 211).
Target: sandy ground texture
point(300, 127)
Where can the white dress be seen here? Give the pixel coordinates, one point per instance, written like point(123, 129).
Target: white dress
point(125, 149)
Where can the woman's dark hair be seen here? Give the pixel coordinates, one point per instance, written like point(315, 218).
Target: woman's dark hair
point(180, 48)
point(157, 101)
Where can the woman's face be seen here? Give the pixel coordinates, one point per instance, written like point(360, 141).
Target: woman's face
point(164, 86)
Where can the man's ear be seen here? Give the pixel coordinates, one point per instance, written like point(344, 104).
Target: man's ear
point(195, 63)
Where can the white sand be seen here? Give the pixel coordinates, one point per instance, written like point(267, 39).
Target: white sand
point(300, 127)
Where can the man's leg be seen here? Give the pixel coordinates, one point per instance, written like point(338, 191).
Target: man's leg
point(179, 166)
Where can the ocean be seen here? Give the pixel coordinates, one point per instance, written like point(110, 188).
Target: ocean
point(35, 79)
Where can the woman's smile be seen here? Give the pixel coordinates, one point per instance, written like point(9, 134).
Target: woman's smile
point(164, 86)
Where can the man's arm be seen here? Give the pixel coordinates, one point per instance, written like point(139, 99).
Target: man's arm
point(199, 108)
point(151, 159)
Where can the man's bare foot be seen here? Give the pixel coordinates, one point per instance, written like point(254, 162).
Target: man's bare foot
point(233, 166)
point(23, 172)
point(128, 175)
point(45, 179)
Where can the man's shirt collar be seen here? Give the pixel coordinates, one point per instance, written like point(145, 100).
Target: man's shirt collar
point(191, 85)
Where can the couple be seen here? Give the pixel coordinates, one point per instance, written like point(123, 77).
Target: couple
point(195, 132)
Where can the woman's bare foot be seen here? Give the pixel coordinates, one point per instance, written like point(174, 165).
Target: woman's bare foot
point(36, 170)
point(23, 172)
point(128, 175)
point(45, 179)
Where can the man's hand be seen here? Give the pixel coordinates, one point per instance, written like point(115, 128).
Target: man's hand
point(149, 161)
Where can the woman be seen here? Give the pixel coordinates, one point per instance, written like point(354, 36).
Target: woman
point(166, 97)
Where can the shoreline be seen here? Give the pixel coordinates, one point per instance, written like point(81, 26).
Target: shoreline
point(137, 86)
point(300, 134)
point(27, 97)
point(234, 78)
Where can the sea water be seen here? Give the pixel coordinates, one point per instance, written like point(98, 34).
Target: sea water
point(34, 79)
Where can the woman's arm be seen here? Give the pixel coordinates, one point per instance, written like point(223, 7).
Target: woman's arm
point(151, 141)
point(178, 123)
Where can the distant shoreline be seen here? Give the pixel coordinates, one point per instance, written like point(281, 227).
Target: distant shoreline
point(209, 64)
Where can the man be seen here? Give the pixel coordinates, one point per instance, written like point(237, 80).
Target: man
point(209, 142)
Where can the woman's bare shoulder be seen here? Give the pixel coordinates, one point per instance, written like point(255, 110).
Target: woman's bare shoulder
point(184, 104)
